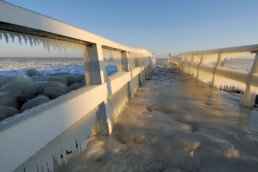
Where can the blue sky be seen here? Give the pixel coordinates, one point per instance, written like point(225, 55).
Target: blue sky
point(161, 26)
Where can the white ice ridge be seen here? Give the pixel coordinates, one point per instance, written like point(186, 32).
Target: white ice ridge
point(37, 40)
point(73, 139)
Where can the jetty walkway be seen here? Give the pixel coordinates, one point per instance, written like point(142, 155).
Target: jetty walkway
point(175, 123)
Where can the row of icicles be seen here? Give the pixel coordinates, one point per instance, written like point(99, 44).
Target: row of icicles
point(37, 40)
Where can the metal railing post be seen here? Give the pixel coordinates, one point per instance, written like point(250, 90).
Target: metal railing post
point(127, 68)
point(190, 63)
point(248, 99)
point(218, 64)
point(138, 65)
point(98, 76)
point(198, 68)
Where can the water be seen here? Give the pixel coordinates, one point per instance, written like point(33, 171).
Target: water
point(175, 123)
point(19, 65)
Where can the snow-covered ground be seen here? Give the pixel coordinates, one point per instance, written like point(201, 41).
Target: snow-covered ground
point(19, 65)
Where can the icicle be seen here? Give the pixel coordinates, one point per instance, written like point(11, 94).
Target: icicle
point(6, 37)
point(48, 46)
point(52, 43)
point(58, 45)
point(44, 43)
point(58, 151)
point(43, 163)
point(34, 40)
point(65, 157)
point(74, 47)
point(39, 40)
point(11, 34)
point(55, 44)
point(79, 145)
point(62, 45)
point(33, 166)
point(25, 38)
point(19, 38)
point(30, 39)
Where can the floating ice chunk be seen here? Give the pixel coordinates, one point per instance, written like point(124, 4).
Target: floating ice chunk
point(6, 111)
point(25, 84)
point(8, 98)
point(33, 72)
point(53, 92)
point(34, 102)
point(76, 86)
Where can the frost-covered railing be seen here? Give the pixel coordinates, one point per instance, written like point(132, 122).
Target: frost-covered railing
point(35, 139)
point(199, 64)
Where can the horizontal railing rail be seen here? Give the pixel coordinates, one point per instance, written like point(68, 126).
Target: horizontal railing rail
point(237, 49)
point(21, 20)
point(199, 64)
point(36, 138)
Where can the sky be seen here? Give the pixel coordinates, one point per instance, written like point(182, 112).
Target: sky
point(161, 26)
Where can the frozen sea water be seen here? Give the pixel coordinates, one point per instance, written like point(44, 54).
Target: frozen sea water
point(19, 65)
point(175, 123)
point(243, 64)
point(239, 64)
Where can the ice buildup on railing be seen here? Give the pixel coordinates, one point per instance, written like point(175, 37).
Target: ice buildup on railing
point(37, 40)
point(73, 140)
point(214, 69)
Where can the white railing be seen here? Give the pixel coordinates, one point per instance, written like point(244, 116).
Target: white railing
point(36, 138)
point(198, 63)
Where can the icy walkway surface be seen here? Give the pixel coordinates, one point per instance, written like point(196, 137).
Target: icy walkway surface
point(175, 123)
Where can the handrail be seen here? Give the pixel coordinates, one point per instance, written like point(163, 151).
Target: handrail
point(31, 139)
point(197, 64)
point(237, 49)
point(37, 23)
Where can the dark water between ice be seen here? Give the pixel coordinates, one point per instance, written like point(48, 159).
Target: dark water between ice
point(175, 123)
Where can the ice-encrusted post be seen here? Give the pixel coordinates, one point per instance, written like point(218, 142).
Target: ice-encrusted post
point(190, 63)
point(96, 70)
point(137, 64)
point(218, 64)
point(126, 67)
point(198, 68)
point(153, 64)
point(248, 98)
point(86, 62)
point(192, 58)
point(185, 62)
